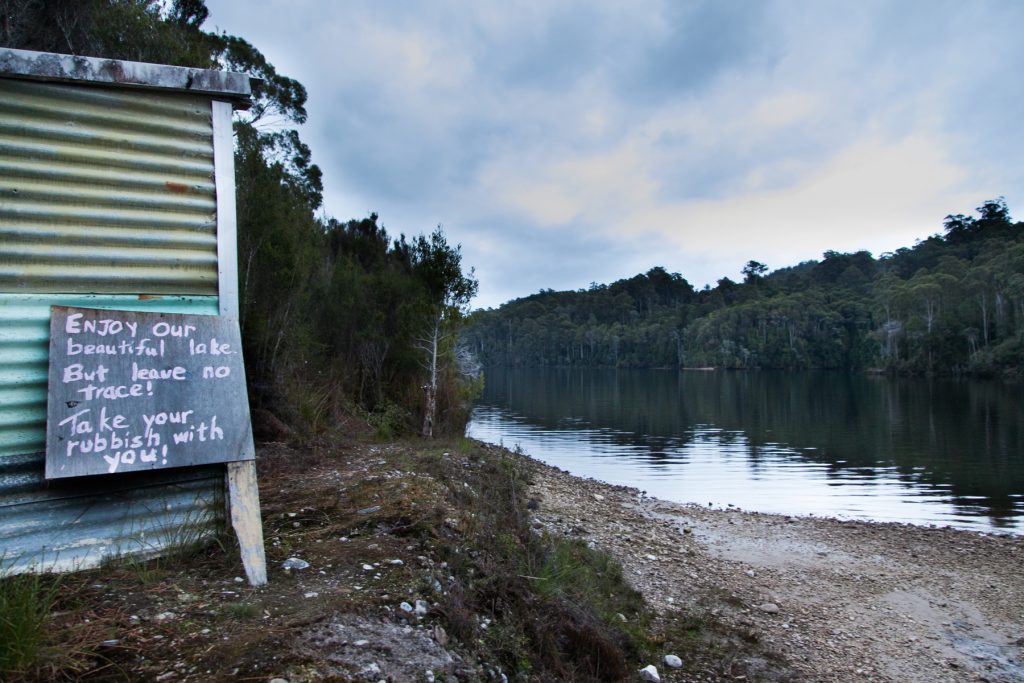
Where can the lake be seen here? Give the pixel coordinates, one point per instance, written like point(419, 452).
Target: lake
point(943, 452)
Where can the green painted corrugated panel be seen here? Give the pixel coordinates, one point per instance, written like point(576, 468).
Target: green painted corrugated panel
point(79, 524)
point(105, 191)
point(24, 353)
point(76, 524)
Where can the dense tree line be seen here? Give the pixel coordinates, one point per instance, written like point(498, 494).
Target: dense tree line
point(336, 316)
point(953, 303)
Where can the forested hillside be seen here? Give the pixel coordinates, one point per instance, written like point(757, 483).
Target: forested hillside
point(336, 316)
point(953, 303)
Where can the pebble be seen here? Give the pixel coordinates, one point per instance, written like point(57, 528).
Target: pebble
point(370, 510)
point(361, 643)
point(396, 563)
point(163, 616)
point(294, 563)
point(367, 567)
point(422, 608)
point(673, 662)
point(650, 673)
point(405, 607)
point(278, 680)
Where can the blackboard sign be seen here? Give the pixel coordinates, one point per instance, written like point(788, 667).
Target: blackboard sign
point(134, 391)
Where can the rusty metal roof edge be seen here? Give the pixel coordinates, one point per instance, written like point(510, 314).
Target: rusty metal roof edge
point(48, 66)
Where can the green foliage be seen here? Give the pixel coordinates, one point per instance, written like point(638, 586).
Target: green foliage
point(331, 313)
point(26, 601)
point(950, 304)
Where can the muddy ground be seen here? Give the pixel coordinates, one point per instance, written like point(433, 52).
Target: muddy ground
point(737, 596)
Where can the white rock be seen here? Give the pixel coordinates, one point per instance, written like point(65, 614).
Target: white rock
point(652, 558)
point(429, 676)
point(650, 673)
point(673, 662)
point(769, 608)
point(396, 563)
point(163, 616)
point(311, 594)
point(598, 496)
point(405, 607)
point(361, 643)
point(294, 563)
point(367, 567)
point(422, 608)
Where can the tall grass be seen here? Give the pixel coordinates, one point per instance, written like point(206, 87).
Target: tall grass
point(26, 602)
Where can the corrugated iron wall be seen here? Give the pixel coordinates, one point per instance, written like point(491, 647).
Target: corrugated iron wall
point(105, 191)
point(107, 200)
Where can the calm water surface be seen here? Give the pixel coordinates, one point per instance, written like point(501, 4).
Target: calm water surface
point(925, 452)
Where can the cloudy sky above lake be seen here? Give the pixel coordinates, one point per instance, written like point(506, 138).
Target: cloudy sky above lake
point(563, 142)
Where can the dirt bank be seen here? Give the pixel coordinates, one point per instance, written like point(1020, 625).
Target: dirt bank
point(838, 600)
point(415, 561)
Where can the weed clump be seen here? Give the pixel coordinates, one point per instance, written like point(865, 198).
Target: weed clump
point(26, 601)
point(549, 608)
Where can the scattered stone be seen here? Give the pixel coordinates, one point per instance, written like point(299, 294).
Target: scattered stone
point(750, 573)
point(311, 594)
point(396, 563)
point(239, 579)
point(294, 563)
point(370, 510)
point(278, 680)
point(651, 558)
point(405, 607)
point(422, 608)
point(164, 616)
point(598, 496)
point(769, 608)
point(673, 662)
point(361, 643)
point(440, 635)
point(650, 673)
point(429, 676)
point(367, 567)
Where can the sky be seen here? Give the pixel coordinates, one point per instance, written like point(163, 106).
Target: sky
point(566, 142)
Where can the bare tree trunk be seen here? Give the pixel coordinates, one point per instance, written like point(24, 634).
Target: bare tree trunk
point(431, 388)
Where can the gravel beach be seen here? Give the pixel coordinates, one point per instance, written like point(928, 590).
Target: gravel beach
point(837, 600)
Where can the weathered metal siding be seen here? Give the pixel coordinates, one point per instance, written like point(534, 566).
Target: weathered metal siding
point(107, 200)
point(105, 191)
point(73, 524)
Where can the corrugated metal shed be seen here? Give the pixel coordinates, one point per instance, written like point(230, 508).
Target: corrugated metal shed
point(108, 199)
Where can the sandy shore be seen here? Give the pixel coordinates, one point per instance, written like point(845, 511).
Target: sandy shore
point(837, 600)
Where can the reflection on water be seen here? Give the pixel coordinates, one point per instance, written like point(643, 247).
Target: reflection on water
point(926, 452)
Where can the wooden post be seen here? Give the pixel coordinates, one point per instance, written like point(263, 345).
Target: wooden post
point(243, 497)
point(244, 509)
